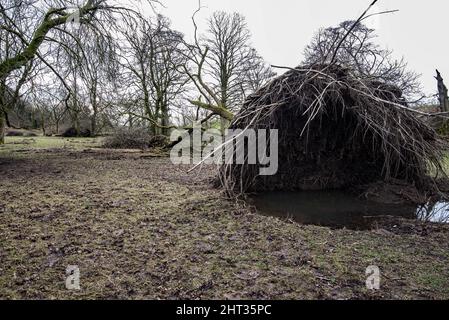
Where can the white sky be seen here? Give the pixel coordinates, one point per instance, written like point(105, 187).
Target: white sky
point(282, 28)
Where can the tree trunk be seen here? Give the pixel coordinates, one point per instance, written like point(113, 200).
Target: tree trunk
point(93, 125)
point(57, 126)
point(77, 126)
point(165, 120)
point(224, 124)
point(43, 125)
point(442, 94)
point(2, 128)
point(76, 122)
point(93, 120)
point(147, 108)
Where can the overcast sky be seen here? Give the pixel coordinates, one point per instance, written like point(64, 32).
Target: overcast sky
point(282, 28)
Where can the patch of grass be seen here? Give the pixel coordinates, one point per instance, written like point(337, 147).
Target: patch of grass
point(42, 143)
point(434, 281)
point(446, 163)
point(142, 228)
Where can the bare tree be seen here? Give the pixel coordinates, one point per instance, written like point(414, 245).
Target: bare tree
point(97, 69)
point(11, 96)
point(231, 58)
point(43, 22)
point(152, 59)
point(358, 51)
point(227, 38)
point(35, 27)
point(223, 66)
point(442, 93)
point(10, 46)
point(256, 75)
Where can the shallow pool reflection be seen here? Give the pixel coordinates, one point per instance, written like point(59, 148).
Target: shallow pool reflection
point(340, 210)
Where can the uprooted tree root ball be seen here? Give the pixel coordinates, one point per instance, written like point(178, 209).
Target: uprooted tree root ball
point(336, 130)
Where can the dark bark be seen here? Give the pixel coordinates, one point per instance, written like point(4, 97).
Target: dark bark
point(2, 128)
point(43, 124)
point(93, 124)
point(442, 93)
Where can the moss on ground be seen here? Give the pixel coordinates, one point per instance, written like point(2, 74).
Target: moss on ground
point(140, 228)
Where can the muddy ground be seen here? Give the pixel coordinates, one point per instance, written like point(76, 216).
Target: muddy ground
point(139, 227)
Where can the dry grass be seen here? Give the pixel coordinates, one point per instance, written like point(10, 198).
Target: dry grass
point(29, 144)
point(141, 228)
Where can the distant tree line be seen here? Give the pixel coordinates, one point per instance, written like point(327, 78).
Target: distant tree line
point(99, 66)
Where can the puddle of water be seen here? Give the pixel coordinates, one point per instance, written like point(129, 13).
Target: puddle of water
point(438, 212)
point(338, 209)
